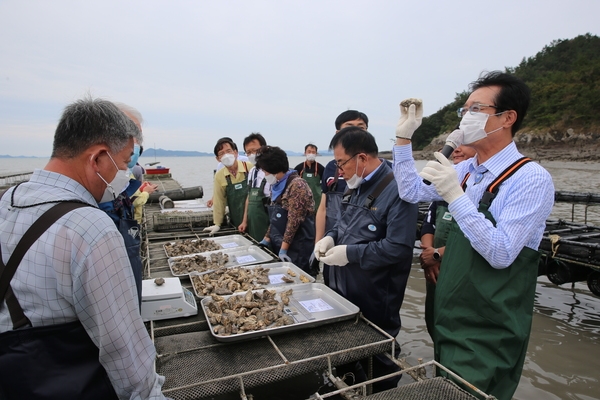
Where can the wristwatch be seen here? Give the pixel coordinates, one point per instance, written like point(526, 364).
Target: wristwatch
point(436, 255)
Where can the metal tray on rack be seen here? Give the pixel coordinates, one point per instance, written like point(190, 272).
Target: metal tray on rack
point(226, 242)
point(275, 272)
point(246, 255)
point(310, 305)
point(195, 205)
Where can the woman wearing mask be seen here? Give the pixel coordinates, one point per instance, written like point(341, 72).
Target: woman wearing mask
point(291, 233)
point(311, 172)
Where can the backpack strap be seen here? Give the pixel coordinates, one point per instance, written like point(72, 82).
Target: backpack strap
point(7, 271)
point(380, 187)
point(375, 194)
point(464, 182)
point(490, 192)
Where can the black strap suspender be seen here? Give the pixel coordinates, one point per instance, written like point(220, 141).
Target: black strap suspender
point(490, 192)
point(375, 194)
point(8, 271)
point(492, 189)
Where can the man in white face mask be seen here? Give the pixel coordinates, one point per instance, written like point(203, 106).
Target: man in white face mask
point(256, 217)
point(369, 249)
point(499, 202)
point(312, 171)
point(230, 188)
point(82, 335)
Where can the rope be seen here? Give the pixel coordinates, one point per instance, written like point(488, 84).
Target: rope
point(553, 241)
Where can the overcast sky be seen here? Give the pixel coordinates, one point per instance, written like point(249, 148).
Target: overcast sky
point(200, 70)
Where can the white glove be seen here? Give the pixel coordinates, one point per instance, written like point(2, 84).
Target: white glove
point(336, 256)
point(443, 175)
point(212, 229)
point(410, 118)
point(323, 246)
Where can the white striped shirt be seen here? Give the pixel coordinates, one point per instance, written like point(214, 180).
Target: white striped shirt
point(520, 209)
point(78, 269)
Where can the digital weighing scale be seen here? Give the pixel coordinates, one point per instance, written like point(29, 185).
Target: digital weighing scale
point(168, 300)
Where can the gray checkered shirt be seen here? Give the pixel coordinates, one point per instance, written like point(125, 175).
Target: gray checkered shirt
point(78, 269)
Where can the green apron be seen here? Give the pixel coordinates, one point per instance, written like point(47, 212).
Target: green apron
point(258, 216)
point(236, 198)
point(483, 315)
point(443, 225)
point(314, 182)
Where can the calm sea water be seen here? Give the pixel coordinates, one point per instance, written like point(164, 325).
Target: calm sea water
point(562, 358)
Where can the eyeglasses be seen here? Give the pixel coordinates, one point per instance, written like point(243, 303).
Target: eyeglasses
point(475, 108)
point(223, 152)
point(341, 166)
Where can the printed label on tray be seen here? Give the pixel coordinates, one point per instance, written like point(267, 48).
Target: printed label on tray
point(229, 245)
point(245, 259)
point(276, 278)
point(315, 305)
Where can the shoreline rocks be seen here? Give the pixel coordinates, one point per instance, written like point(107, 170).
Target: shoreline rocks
point(569, 145)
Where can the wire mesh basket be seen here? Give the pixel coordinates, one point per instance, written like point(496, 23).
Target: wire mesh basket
point(181, 220)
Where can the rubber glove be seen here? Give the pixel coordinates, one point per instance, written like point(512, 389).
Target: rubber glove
point(313, 265)
point(336, 256)
point(410, 118)
point(322, 246)
point(443, 175)
point(283, 256)
point(212, 229)
point(264, 243)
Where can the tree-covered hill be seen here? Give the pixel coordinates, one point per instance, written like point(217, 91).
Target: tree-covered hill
point(565, 82)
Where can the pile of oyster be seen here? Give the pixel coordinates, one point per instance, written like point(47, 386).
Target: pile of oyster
point(225, 281)
point(252, 311)
point(189, 246)
point(199, 263)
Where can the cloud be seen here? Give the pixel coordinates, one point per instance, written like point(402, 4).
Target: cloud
point(201, 70)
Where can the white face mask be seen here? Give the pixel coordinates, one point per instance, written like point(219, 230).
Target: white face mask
point(311, 157)
point(356, 180)
point(228, 160)
point(119, 183)
point(473, 126)
point(271, 179)
point(252, 158)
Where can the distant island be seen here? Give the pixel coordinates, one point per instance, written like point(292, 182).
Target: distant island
point(177, 153)
point(181, 153)
point(7, 156)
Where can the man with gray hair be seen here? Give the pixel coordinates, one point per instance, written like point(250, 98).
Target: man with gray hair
point(69, 320)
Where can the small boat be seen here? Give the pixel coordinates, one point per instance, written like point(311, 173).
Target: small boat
point(156, 170)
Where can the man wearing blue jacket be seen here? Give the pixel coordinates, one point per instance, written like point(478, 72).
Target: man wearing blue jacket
point(370, 247)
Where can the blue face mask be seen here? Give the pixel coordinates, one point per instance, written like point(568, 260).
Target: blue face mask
point(135, 156)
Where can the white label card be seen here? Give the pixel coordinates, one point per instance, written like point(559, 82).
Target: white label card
point(229, 245)
point(315, 305)
point(245, 259)
point(276, 278)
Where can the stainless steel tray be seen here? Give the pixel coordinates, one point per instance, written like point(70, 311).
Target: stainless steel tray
point(311, 304)
point(237, 256)
point(226, 242)
point(195, 205)
point(275, 272)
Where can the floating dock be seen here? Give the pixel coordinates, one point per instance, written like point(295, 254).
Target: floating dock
point(197, 366)
point(8, 180)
